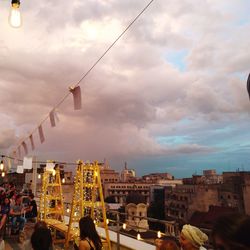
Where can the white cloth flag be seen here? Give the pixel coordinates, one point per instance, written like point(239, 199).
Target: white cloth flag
point(50, 166)
point(32, 142)
point(41, 134)
point(76, 97)
point(27, 162)
point(19, 169)
point(52, 118)
point(25, 147)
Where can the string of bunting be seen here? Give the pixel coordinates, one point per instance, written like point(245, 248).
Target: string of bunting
point(76, 93)
point(28, 161)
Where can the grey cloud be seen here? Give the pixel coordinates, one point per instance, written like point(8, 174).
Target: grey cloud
point(134, 94)
point(7, 138)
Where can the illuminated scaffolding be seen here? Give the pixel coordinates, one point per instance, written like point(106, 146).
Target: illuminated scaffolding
point(87, 201)
point(51, 199)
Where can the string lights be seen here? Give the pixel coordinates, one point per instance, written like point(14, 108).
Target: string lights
point(88, 198)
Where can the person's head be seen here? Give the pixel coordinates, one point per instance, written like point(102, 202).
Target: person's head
point(41, 239)
point(31, 196)
point(167, 243)
point(232, 232)
point(40, 224)
point(88, 230)
point(18, 199)
point(6, 201)
point(192, 238)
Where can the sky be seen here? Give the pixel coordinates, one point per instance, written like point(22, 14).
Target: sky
point(170, 96)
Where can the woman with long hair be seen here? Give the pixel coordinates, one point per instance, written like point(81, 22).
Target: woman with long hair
point(89, 238)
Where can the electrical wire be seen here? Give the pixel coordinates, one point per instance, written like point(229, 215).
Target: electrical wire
point(90, 69)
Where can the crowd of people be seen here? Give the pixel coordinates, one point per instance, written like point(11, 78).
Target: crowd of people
point(15, 208)
point(89, 239)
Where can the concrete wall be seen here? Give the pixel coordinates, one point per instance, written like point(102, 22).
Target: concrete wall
point(203, 198)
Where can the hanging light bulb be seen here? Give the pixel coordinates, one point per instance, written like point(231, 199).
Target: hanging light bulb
point(1, 166)
point(3, 174)
point(159, 234)
point(39, 176)
point(124, 226)
point(67, 210)
point(138, 237)
point(63, 180)
point(15, 19)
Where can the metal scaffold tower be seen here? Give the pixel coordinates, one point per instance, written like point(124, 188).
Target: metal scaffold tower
point(88, 201)
point(51, 199)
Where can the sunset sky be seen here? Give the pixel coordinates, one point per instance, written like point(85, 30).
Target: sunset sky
point(170, 96)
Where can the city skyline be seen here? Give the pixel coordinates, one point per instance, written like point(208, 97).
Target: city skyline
point(169, 97)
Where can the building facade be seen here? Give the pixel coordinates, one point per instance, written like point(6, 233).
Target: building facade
point(231, 189)
point(121, 190)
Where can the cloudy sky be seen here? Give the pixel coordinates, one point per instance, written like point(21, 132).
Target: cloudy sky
point(170, 96)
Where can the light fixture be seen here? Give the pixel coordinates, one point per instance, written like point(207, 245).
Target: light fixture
point(138, 237)
point(124, 226)
point(63, 180)
point(107, 221)
point(159, 234)
point(53, 172)
point(15, 19)
point(67, 210)
point(3, 174)
point(1, 165)
point(39, 176)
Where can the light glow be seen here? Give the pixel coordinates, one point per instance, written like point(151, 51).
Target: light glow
point(138, 237)
point(159, 234)
point(15, 18)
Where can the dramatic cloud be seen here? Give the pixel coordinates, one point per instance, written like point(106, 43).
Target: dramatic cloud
point(172, 91)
